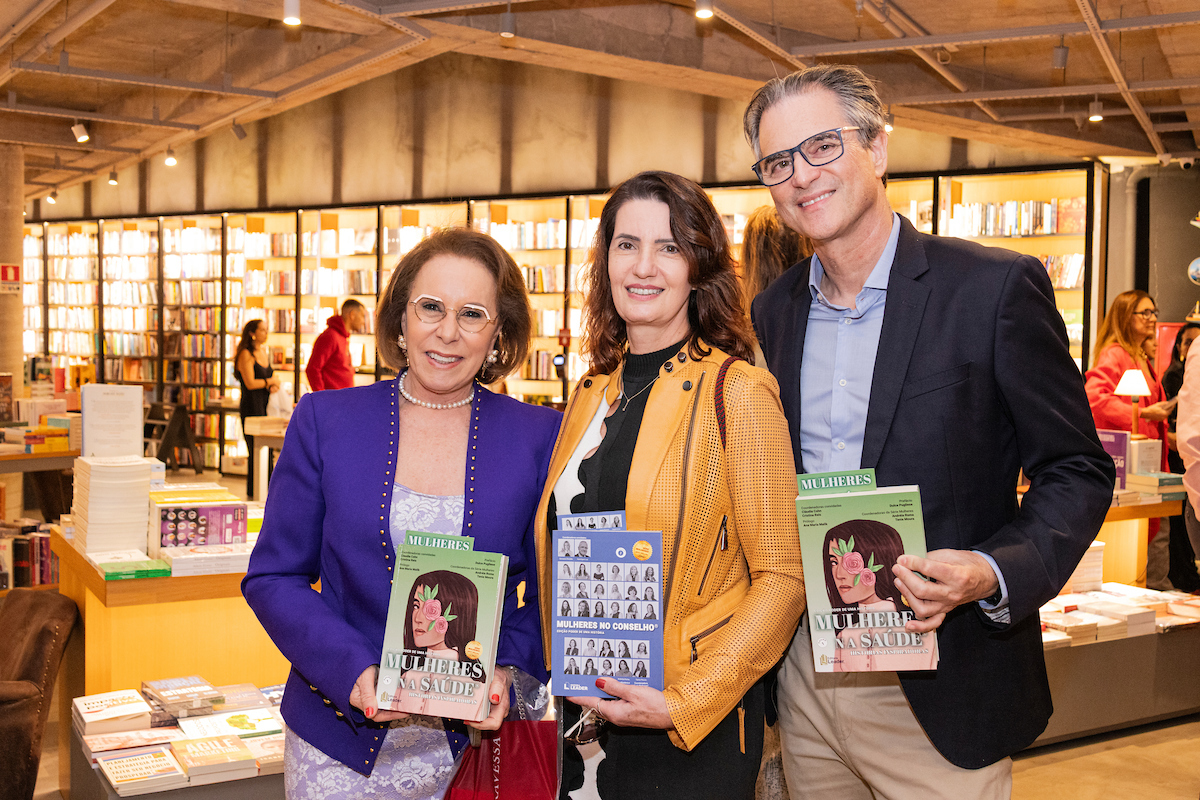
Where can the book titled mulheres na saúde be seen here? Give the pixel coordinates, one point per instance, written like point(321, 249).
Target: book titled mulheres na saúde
point(439, 646)
point(851, 534)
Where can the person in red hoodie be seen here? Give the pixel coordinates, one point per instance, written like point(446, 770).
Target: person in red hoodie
point(329, 366)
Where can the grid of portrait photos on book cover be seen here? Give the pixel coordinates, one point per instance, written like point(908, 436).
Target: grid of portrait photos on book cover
point(608, 603)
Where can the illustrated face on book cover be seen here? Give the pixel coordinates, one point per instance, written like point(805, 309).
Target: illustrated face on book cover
point(442, 618)
point(858, 570)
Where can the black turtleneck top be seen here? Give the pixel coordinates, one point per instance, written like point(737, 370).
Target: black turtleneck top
point(605, 474)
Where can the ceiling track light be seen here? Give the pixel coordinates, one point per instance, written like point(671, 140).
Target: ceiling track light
point(52, 198)
point(239, 131)
point(170, 160)
point(704, 9)
point(1058, 58)
point(291, 12)
point(1095, 110)
point(81, 132)
point(112, 177)
point(508, 24)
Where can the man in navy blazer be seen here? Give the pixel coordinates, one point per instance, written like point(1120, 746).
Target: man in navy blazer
point(940, 363)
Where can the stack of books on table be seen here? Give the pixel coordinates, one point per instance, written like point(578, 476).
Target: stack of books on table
point(214, 759)
point(219, 559)
point(1053, 640)
point(1138, 620)
point(243, 723)
point(72, 423)
point(1167, 485)
point(110, 507)
point(105, 744)
point(1182, 605)
point(119, 565)
point(142, 770)
point(1081, 631)
point(183, 697)
point(122, 710)
point(1089, 574)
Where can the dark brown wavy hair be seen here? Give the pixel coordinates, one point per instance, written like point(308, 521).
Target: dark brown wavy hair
point(715, 306)
point(769, 247)
point(513, 314)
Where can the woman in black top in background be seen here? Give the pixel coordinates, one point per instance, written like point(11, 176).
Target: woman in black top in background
point(252, 364)
point(1182, 571)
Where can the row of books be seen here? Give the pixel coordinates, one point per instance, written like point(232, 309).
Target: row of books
point(76, 268)
point(196, 398)
point(181, 732)
point(549, 278)
point(130, 293)
point(134, 370)
point(540, 366)
point(329, 242)
point(125, 318)
point(193, 292)
point(189, 371)
point(25, 556)
point(341, 282)
point(78, 294)
point(261, 283)
point(77, 318)
point(194, 345)
point(191, 240)
point(1114, 611)
point(130, 344)
point(73, 343)
point(1019, 218)
point(129, 267)
point(130, 242)
point(75, 243)
point(1066, 272)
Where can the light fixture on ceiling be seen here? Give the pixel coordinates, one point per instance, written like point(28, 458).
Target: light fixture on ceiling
point(1058, 58)
point(508, 24)
point(239, 131)
point(1095, 110)
point(52, 198)
point(889, 120)
point(704, 9)
point(112, 177)
point(291, 12)
point(81, 132)
point(170, 160)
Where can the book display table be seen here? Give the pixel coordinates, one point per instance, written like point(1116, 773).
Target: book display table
point(268, 435)
point(1124, 533)
point(43, 470)
point(152, 628)
point(88, 784)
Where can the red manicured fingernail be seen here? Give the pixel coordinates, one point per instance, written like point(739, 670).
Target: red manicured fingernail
point(600, 683)
point(370, 712)
point(495, 698)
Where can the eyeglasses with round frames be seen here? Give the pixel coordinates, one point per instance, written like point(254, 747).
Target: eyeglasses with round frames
point(431, 310)
point(818, 150)
point(1148, 314)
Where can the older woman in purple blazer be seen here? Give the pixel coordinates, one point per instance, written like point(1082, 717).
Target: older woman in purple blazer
point(433, 451)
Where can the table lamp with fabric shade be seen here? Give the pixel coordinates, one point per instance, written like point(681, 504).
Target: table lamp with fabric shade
point(1133, 385)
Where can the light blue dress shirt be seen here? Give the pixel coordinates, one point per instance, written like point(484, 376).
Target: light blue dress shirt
point(835, 385)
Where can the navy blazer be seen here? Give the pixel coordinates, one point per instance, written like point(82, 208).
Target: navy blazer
point(973, 381)
point(327, 517)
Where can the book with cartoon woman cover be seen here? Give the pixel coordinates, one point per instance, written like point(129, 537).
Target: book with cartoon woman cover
point(439, 646)
point(851, 534)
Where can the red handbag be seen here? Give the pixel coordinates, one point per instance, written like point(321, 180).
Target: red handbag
point(518, 762)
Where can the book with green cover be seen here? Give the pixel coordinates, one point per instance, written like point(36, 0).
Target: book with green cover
point(439, 646)
point(852, 531)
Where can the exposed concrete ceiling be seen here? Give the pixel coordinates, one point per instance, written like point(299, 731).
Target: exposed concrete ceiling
point(144, 75)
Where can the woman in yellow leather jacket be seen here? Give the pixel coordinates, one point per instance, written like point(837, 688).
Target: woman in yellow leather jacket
point(642, 433)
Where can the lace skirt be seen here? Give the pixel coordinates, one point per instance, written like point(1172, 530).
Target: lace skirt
point(415, 763)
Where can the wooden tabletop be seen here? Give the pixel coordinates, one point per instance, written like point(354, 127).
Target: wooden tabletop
point(1169, 508)
point(141, 591)
point(38, 462)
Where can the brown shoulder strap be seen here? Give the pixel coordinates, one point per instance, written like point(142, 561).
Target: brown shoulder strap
point(719, 392)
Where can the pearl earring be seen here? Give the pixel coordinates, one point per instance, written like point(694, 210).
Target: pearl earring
point(492, 356)
point(403, 344)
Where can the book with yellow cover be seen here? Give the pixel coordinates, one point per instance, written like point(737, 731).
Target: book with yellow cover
point(214, 758)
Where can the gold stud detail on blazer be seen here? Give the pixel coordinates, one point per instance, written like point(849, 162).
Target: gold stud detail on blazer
point(687, 386)
point(682, 357)
point(668, 366)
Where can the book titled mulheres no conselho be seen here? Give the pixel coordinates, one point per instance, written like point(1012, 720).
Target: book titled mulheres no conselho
point(852, 531)
point(439, 645)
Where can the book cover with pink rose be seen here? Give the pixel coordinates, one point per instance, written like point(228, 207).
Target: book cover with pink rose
point(439, 646)
point(852, 531)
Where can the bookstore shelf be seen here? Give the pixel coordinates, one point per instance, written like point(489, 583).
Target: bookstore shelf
point(164, 300)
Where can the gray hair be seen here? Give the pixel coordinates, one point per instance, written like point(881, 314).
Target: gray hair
point(856, 92)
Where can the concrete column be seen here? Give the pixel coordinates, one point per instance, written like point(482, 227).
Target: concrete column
point(12, 355)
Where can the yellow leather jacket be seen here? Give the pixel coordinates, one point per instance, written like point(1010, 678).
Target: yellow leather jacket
point(733, 582)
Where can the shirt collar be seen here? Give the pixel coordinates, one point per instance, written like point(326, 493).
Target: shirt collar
point(878, 279)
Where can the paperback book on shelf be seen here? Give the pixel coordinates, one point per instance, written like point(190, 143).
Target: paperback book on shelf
point(439, 646)
point(852, 531)
point(122, 710)
point(607, 605)
point(142, 771)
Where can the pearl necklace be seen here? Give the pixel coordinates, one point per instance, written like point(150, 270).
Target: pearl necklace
point(435, 406)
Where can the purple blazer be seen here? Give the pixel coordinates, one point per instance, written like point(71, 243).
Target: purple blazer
point(327, 517)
